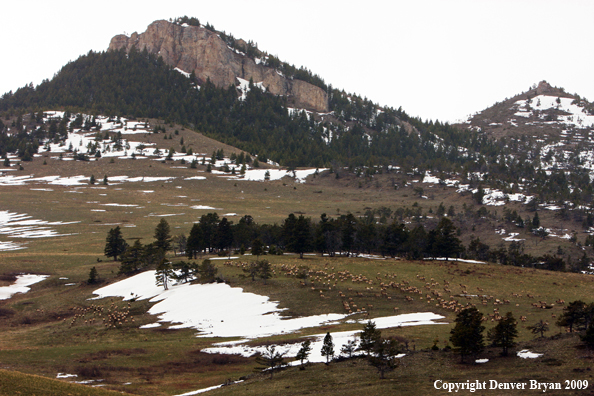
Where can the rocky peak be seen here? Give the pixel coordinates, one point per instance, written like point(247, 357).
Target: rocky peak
point(544, 88)
point(199, 50)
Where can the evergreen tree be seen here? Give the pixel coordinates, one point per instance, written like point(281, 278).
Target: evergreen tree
point(369, 337)
point(163, 274)
point(185, 271)
point(384, 355)
point(115, 244)
point(264, 270)
point(132, 259)
point(208, 224)
point(446, 244)
point(504, 333)
point(271, 359)
point(539, 327)
point(303, 353)
point(224, 235)
point(93, 275)
point(207, 271)
point(297, 234)
point(467, 335)
point(257, 247)
point(163, 236)
point(328, 348)
point(573, 315)
point(349, 348)
point(92, 179)
point(536, 221)
point(195, 243)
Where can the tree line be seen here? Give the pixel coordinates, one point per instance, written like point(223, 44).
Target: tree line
point(344, 235)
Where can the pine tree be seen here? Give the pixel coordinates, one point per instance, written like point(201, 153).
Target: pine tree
point(539, 327)
point(349, 348)
point(223, 235)
point(303, 353)
point(195, 241)
point(93, 275)
point(384, 355)
point(369, 337)
point(92, 179)
point(264, 270)
point(115, 244)
point(271, 359)
point(467, 335)
point(132, 259)
point(163, 274)
point(163, 236)
point(207, 271)
point(504, 333)
point(257, 247)
point(328, 348)
point(446, 244)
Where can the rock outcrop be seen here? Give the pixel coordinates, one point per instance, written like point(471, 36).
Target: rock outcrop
point(199, 50)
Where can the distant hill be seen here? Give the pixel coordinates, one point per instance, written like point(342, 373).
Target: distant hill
point(542, 111)
point(141, 80)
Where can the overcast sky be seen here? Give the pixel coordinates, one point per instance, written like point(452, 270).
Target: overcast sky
point(438, 59)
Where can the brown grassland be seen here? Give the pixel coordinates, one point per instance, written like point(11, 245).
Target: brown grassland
point(40, 332)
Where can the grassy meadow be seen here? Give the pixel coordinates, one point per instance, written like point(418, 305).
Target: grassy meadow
point(52, 329)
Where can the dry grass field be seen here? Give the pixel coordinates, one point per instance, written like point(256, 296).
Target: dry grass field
point(42, 332)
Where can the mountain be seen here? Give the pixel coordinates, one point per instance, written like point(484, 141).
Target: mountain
point(354, 132)
point(204, 52)
point(541, 112)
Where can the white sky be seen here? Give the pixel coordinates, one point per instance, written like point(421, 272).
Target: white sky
point(437, 59)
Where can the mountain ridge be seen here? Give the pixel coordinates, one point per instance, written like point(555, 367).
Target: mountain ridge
point(198, 50)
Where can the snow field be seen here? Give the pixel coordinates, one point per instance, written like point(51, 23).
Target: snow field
point(218, 310)
point(21, 285)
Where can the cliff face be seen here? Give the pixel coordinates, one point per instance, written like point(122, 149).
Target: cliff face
point(196, 49)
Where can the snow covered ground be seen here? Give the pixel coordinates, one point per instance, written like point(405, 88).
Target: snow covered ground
point(21, 285)
point(17, 225)
point(219, 310)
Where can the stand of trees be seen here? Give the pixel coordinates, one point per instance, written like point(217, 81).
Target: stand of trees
point(345, 235)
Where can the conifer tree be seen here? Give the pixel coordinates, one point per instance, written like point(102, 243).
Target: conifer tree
point(384, 355)
point(93, 275)
point(271, 359)
point(467, 335)
point(303, 353)
point(328, 348)
point(163, 236)
point(504, 333)
point(369, 337)
point(195, 241)
point(163, 274)
point(115, 244)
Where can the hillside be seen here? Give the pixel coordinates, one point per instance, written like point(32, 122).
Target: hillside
point(315, 219)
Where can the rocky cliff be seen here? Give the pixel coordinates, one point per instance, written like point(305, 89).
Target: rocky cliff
point(199, 50)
